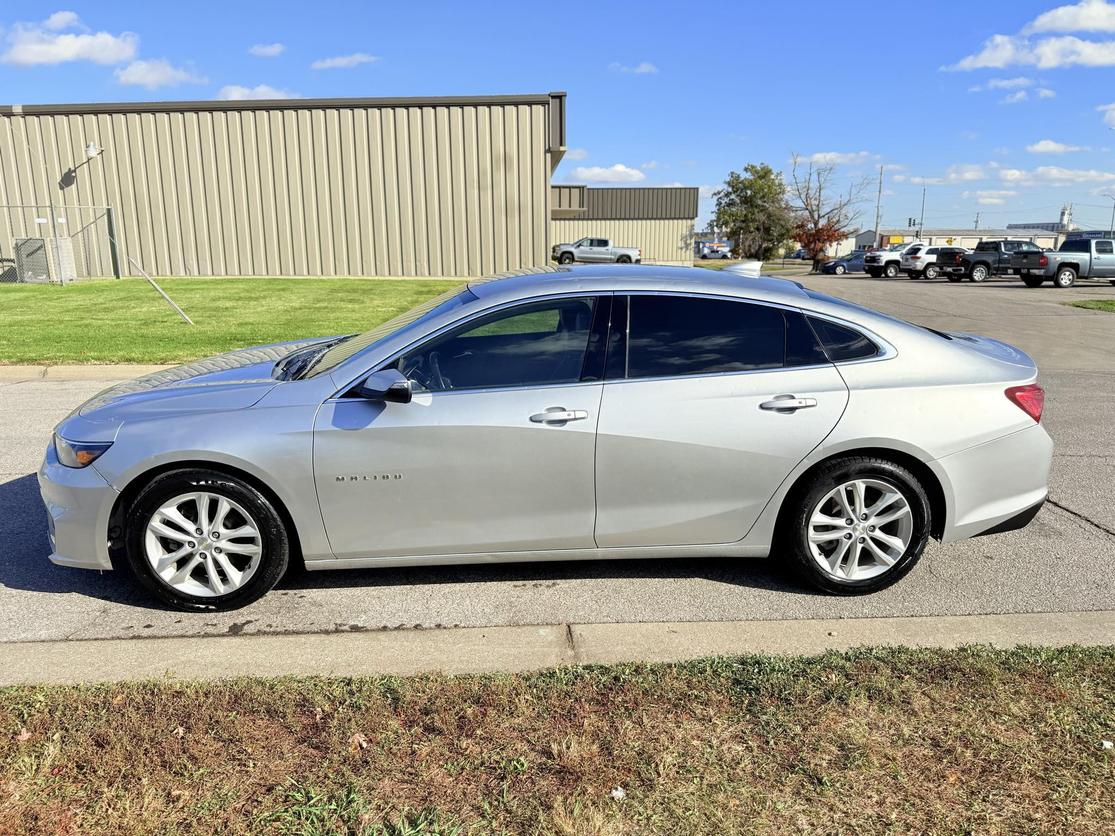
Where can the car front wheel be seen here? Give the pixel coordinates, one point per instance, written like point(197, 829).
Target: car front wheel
point(857, 526)
point(565, 258)
point(201, 540)
point(891, 271)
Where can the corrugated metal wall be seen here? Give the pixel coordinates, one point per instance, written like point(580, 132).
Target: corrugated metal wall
point(662, 241)
point(402, 190)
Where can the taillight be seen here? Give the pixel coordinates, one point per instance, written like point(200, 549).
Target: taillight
point(1043, 261)
point(914, 257)
point(1030, 399)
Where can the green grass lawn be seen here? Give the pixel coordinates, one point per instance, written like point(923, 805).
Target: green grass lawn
point(897, 741)
point(1107, 305)
point(126, 321)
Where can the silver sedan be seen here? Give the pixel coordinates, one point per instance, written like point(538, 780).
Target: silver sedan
point(570, 414)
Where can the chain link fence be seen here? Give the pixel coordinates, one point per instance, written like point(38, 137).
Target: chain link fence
point(44, 244)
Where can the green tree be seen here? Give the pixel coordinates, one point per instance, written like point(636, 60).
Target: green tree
point(753, 210)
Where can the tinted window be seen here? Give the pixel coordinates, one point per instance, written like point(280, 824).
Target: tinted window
point(530, 345)
point(842, 343)
point(676, 335)
point(1076, 245)
point(1104, 247)
point(987, 246)
point(599, 242)
point(913, 251)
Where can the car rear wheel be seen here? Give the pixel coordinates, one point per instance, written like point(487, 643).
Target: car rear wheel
point(890, 271)
point(857, 526)
point(202, 540)
point(931, 272)
point(979, 273)
point(1033, 281)
point(623, 259)
point(1066, 277)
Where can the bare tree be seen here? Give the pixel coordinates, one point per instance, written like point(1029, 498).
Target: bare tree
point(825, 215)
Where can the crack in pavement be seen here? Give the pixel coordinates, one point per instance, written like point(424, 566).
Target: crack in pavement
point(1099, 526)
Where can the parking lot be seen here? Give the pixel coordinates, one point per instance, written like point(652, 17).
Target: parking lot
point(1062, 563)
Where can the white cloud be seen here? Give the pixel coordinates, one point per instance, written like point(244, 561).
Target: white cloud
point(1051, 146)
point(1086, 16)
point(642, 68)
point(841, 157)
point(989, 197)
point(1003, 84)
point(1046, 93)
point(343, 62)
point(62, 20)
point(649, 164)
point(618, 173)
point(30, 44)
point(266, 50)
point(1108, 111)
point(965, 173)
point(917, 180)
point(576, 154)
point(1056, 175)
point(1000, 51)
point(156, 73)
point(706, 191)
point(1015, 97)
point(260, 91)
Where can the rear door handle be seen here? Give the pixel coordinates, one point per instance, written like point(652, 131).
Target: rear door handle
point(787, 403)
point(559, 415)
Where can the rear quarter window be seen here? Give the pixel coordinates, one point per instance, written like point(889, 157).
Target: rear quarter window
point(842, 344)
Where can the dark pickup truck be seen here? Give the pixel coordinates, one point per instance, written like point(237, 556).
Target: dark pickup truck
point(1080, 256)
point(991, 258)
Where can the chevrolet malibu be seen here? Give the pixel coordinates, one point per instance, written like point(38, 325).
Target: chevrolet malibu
point(571, 414)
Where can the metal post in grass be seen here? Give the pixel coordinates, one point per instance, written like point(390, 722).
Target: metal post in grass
point(162, 292)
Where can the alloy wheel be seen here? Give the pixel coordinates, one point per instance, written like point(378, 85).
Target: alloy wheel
point(203, 544)
point(860, 529)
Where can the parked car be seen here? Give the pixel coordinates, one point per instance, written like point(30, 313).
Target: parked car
point(928, 262)
point(1079, 257)
point(595, 250)
point(584, 413)
point(992, 258)
point(799, 253)
point(850, 263)
point(887, 262)
point(716, 251)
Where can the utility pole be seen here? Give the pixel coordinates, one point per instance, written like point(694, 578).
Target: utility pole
point(878, 208)
point(921, 219)
point(977, 221)
point(1112, 196)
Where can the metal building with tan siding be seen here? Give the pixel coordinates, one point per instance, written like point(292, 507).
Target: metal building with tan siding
point(658, 220)
point(455, 186)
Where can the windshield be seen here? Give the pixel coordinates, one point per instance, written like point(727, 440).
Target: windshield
point(893, 248)
point(332, 354)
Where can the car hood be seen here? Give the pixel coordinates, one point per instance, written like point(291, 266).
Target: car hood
point(236, 380)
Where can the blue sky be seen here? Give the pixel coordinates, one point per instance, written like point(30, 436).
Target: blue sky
point(659, 93)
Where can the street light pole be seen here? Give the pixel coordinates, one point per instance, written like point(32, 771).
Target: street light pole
point(921, 219)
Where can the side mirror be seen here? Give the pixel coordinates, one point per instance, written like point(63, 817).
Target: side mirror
point(389, 385)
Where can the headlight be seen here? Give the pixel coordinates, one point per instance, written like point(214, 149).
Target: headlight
point(78, 453)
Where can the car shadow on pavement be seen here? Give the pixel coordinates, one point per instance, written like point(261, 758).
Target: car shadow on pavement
point(24, 550)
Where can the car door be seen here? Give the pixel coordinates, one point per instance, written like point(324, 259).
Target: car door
point(595, 251)
point(692, 440)
point(493, 454)
point(1103, 260)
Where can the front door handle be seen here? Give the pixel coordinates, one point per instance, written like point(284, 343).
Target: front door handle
point(559, 415)
point(787, 403)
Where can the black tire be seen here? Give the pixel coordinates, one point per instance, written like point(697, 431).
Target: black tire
point(891, 270)
point(792, 539)
point(839, 270)
point(623, 259)
point(275, 541)
point(704, 256)
point(954, 278)
point(1064, 277)
point(980, 273)
point(874, 273)
point(931, 272)
point(1033, 281)
point(565, 258)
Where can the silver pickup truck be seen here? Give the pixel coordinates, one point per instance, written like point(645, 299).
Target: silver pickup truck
point(1079, 256)
point(595, 250)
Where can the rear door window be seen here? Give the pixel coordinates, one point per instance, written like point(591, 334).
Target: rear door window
point(1104, 248)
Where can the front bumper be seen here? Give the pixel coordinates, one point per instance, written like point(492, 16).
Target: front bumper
point(993, 485)
point(78, 504)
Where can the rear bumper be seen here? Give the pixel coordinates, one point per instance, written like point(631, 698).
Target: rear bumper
point(992, 487)
point(78, 504)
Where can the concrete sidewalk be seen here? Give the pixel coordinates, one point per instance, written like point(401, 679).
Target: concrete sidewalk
point(521, 648)
point(122, 371)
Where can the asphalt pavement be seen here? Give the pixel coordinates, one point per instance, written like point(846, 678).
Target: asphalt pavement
point(1062, 563)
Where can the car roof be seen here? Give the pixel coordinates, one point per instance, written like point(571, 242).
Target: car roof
point(636, 277)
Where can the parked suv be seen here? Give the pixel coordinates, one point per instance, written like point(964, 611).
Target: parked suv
point(1086, 258)
point(921, 261)
point(993, 258)
point(887, 262)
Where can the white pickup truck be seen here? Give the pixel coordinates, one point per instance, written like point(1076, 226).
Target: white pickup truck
point(887, 262)
point(595, 250)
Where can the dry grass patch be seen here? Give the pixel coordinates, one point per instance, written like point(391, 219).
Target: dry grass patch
point(873, 741)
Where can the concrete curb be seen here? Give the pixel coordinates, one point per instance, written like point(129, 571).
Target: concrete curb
point(513, 649)
point(122, 371)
